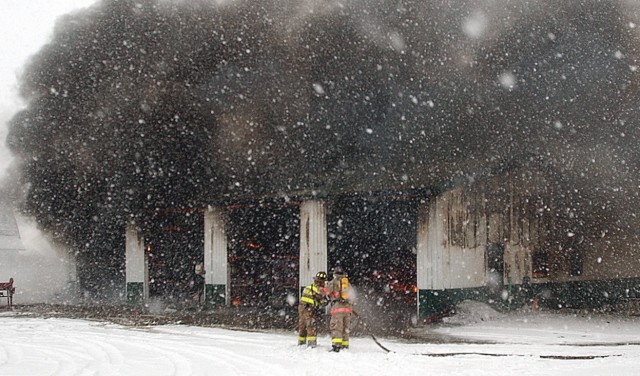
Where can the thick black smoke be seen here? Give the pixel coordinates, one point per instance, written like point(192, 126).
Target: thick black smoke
point(137, 105)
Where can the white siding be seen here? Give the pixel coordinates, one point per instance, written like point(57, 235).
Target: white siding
point(441, 264)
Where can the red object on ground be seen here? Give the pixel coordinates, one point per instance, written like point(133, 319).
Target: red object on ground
point(6, 291)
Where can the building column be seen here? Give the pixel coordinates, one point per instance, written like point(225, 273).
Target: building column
point(72, 288)
point(313, 240)
point(137, 266)
point(423, 259)
point(215, 257)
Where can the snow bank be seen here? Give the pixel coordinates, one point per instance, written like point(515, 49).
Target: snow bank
point(471, 312)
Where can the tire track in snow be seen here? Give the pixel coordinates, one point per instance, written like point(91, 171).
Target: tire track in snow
point(212, 347)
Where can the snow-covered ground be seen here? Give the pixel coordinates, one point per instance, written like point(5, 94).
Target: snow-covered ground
point(529, 343)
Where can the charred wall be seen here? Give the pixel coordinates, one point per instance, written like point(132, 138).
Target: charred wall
point(521, 213)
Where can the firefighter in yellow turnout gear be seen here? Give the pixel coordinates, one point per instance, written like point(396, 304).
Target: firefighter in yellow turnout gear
point(314, 297)
point(341, 309)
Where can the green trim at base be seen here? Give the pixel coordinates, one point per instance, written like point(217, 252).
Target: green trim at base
point(135, 292)
point(586, 294)
point(214, 295)
point(552, 295)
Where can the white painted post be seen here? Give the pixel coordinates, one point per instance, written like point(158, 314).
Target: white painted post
point(313, 240)
point(215, 257)
point(137, 266)
point(423, 256)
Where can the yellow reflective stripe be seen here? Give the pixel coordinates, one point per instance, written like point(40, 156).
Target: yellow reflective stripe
point(313, 288)
point(302, 339)
point(308, 300)
point(310, 338)
point(336, 341)
point(307, 295)
point(345, 343)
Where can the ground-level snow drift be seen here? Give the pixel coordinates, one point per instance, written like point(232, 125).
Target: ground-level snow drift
point(523, 344)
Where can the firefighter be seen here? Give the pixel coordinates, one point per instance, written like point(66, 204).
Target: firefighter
point(314, 297)
point(341, 309)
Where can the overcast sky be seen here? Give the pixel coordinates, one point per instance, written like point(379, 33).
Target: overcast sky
point(25, 25)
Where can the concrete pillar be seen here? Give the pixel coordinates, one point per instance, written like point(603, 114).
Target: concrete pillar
point(313, 240)
point(137, 266)
point(215, 257)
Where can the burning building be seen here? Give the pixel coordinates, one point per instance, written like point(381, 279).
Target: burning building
point(438, 150)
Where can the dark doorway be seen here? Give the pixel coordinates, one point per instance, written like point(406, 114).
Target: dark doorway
point(174, 242)
point(263, 244)
point(540, 263)
point(374, 238)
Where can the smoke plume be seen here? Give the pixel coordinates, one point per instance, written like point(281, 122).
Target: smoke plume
point(138, 105)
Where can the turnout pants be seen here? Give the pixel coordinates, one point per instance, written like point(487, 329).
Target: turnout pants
point(307, 325)
point(339, 326)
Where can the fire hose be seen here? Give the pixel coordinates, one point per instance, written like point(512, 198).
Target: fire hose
point(369, 332)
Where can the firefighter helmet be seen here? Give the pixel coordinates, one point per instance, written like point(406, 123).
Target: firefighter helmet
point(321, 276)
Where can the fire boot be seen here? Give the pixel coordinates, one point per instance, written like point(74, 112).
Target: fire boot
point(335, 348)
